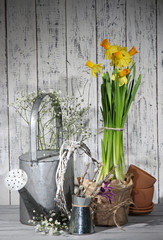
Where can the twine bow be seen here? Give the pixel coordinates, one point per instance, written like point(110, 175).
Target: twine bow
point(113, 210)
point(100, 130)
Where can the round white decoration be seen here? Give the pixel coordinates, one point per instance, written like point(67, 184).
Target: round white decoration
point(16, 179)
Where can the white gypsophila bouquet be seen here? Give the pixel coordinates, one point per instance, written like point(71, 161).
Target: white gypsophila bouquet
point(74, 117)
point(54, 224)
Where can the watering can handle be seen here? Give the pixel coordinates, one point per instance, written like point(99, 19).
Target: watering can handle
point(33, 126)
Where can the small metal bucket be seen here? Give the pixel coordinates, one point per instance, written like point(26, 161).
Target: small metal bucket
point(41, 167)
point(81, 219)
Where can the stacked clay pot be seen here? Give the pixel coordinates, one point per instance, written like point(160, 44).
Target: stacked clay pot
point(143, 189)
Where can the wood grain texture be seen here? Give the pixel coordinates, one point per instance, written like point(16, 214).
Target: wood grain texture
point(51, 41)
point(45, 44)
point(160, 94)
point(111, 25)
point(51, 45)
point(147, 227)
point(81, 46)
point(4, 146)
point(142, 120)
point(21, 72)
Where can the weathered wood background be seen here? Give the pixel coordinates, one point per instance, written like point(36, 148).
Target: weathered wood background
point(44, 44)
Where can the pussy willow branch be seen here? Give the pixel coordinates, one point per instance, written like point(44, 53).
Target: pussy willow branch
point(91, 181)
point(98, 185)
point(87, 151)
point(81, 181)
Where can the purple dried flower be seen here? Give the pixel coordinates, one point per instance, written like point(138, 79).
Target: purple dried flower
point(106, 191)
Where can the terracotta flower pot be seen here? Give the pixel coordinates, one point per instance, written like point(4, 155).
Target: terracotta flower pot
point(141, 178)
point(141, 211)
point(142, 197)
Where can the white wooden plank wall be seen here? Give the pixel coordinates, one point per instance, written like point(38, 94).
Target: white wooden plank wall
point(81, 45)
point(21, 52)
point(4, 144)
point(51, 42)
point(45, 44)
point(160, 95)
point(142, 132)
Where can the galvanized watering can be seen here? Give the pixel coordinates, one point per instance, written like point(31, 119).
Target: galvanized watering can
point(40, 167)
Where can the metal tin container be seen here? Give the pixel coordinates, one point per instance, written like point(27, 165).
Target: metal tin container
point(81, 219)
point(41, 167)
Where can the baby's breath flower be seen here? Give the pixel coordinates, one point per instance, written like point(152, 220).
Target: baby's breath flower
point(81, 187)
point(56, 222)
point(73, 123)
point(76, 190)
point(111, 176)
point(30, 221)
point(95, 170)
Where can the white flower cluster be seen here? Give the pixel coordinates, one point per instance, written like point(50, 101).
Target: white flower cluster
point(70, 109)
point(55, 224)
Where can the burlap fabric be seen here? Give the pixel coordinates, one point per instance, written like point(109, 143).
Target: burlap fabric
point(115, 213)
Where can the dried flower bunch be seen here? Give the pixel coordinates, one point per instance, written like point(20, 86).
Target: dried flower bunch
point(73, 113)
point(55, 224)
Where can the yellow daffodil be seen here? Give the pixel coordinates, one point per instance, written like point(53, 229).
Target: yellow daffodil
point(122, 81)
point(132, 51)
point(121, 76)
point(105, 44)
point(118, 55)
point(109, 50)
point(96, 68)
point(121, 58)
point(123, 72)
point(113, 77)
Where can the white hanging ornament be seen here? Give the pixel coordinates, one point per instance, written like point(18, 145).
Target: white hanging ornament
point(16, 179)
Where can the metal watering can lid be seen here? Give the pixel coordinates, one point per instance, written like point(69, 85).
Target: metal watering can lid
point(33, 126)
point(42, 156)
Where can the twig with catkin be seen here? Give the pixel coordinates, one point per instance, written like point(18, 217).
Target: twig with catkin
point(81, 188)
point(96, 170)
point(87, 151)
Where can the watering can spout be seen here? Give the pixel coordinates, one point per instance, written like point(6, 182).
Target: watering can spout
point(16, 181)
point(31, 204)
